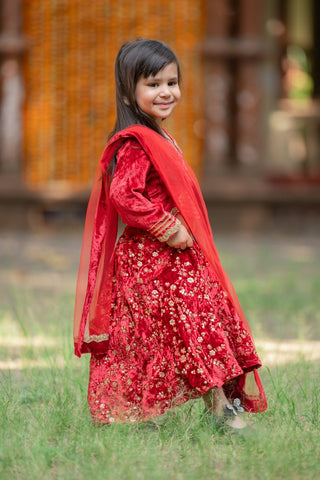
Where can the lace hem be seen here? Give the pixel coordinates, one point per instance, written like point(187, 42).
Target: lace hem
point(96, 338)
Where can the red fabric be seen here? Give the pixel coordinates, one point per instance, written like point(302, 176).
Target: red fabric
point(138, 193)
point(92, 309)
point(173, 333)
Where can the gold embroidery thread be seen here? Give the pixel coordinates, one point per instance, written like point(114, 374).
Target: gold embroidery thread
point(96, 338)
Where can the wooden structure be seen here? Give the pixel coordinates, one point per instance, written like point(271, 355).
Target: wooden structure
point(56, 102)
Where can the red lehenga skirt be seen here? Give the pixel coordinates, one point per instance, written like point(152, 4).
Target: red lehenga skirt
point(173, 333)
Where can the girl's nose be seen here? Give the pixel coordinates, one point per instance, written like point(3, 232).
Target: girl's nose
point(165, 91)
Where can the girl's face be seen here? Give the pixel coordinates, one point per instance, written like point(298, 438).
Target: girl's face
point(158, 95)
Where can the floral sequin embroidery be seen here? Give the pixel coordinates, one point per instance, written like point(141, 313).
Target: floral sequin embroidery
point(173, 333)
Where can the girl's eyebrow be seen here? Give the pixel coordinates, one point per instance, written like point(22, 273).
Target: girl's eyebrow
point(157, 79)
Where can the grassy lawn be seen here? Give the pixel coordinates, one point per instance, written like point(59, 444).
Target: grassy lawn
point(46, 430)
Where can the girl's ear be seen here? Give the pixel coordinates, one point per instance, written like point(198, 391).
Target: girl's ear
point(126, 101)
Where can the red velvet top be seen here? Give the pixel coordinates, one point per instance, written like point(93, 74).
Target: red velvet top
point(140, 196)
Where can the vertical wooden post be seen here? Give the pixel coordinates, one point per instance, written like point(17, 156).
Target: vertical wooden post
point(316, 49)
point(248, 85)
point(217, 84)
point(234, 52)
point(12, 46)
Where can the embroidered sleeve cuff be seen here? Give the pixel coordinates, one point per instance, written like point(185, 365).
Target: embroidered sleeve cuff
point(165, 228)
point(174, 211)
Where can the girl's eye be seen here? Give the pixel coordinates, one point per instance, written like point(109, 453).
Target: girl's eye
point(153, 84)
point(171, 84)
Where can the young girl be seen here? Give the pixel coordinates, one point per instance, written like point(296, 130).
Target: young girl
point(156, 310)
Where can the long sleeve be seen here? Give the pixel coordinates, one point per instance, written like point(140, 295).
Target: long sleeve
point(130, 193)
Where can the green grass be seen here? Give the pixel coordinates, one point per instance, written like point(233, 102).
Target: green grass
point(278, 282)
point(45, 428)
point(46, 433)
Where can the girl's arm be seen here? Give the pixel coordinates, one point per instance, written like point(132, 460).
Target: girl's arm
point(127, 193)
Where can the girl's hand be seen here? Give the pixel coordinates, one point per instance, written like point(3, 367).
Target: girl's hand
point(182, 220)
point(181, 239)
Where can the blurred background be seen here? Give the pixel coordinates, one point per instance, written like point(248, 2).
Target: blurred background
point(248, 123)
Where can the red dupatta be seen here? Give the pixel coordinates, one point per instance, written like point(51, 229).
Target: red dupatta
point(92, 309)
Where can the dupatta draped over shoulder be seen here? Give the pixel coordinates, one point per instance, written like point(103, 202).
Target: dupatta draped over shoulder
point(94, 286)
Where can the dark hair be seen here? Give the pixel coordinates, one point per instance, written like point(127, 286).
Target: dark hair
point(134, 60)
